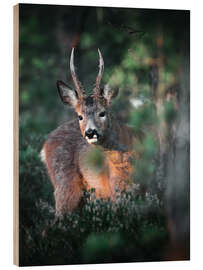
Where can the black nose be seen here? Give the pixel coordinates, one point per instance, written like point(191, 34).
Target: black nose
point(90, 133)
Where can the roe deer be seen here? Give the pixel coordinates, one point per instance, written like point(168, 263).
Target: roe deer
point(66, 148)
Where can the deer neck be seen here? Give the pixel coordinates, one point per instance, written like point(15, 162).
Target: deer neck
point(113, 138)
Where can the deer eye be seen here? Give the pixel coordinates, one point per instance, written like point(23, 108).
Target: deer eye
point(102, 114)
point(80, 117)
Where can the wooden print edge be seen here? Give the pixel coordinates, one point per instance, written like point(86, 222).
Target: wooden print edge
point(16, 134)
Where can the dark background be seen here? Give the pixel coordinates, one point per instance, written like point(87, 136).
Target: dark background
point(146, 55)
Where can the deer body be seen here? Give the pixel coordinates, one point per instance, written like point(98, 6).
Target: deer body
point(67, 147)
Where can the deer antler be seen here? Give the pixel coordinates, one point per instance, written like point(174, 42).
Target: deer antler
point(77, 83)
point(99, 76)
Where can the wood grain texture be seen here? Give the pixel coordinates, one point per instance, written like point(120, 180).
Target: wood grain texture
point(16, 134)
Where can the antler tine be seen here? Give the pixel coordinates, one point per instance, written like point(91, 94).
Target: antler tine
point(77, 83)
point(100, 73)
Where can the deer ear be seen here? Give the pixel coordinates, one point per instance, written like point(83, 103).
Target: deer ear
point(109, 93)
point(67, 95)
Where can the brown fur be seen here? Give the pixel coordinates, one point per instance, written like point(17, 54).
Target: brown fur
point(66, 149)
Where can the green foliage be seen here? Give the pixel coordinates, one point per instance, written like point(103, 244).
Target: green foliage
point(97, 232)
point(143, 117)
point(100, 247)
point(169, 111)
point(150, 146)
point(95, 159)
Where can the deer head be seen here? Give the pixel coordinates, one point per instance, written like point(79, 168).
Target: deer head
point(93, 111)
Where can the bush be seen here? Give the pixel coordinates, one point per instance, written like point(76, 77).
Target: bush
point(101, 231)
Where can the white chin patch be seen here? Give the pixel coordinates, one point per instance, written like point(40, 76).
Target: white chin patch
point(92, 140)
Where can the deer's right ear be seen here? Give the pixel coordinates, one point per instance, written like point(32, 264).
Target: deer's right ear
point(67, 95)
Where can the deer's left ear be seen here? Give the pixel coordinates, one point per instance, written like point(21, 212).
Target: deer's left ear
point(109, 93)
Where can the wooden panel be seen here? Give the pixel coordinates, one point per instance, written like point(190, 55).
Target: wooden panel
point(16, 135)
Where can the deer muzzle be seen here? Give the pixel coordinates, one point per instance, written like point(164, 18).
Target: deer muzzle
point(91, 135)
